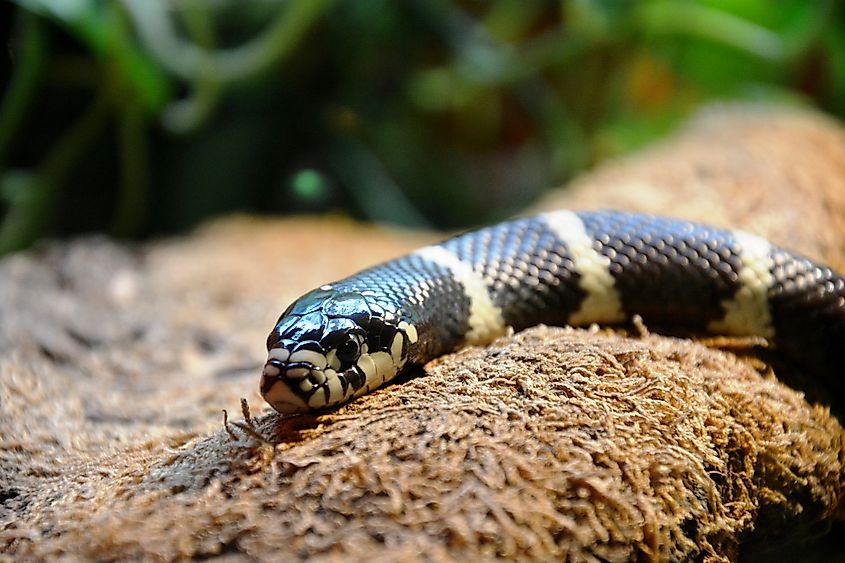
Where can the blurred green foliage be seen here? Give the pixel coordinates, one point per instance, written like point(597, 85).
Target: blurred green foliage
point(146, 116)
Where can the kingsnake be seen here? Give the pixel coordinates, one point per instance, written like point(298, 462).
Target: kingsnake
point(351, 336)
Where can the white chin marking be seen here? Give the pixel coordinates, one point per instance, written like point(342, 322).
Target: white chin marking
point(321, 375)
point(396, 348)
point(409, 330)
point(283, 400)
point(332, 361)
point(335, 390)
point(385, 367)
point(602, 303)
point(368, 366)
point(485, 318)
point(309, 356)
point(270, 370)
point(748, 312)
point(280, 354)
point(297, 373)
point(317, 400)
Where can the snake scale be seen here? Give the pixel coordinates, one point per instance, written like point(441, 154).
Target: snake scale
point(349, 337)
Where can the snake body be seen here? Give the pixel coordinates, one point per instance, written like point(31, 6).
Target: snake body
point(351, 336)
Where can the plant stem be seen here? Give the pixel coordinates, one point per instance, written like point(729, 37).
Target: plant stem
point(131, 208)
point(24, 80)
point(31, 213)
point(235, 64)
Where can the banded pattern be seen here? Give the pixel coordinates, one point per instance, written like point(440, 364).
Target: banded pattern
point(347, 338)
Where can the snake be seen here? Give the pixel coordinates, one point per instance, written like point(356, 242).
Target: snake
point(561, 268)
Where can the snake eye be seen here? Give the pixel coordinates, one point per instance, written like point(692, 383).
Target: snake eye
point(348, 351)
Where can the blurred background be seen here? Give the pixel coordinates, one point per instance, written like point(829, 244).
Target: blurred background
point(144, 117)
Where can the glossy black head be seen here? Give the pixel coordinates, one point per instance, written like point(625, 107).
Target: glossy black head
point(330, 346)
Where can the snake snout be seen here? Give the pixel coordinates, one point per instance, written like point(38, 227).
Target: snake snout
point(270, 375)
point(276, 370)
point(276, 385)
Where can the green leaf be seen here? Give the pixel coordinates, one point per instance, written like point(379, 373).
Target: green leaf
point(98, 25)
point(670, 17)
point(84, 19)
point(16, 186)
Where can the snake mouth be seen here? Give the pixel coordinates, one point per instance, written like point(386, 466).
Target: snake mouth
point(276, 390)
point(297, 381)
point(305, 390)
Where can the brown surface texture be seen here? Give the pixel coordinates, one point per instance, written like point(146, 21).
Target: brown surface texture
point(548, 444)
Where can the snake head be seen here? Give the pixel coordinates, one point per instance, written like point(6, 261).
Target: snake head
point(330, 346)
